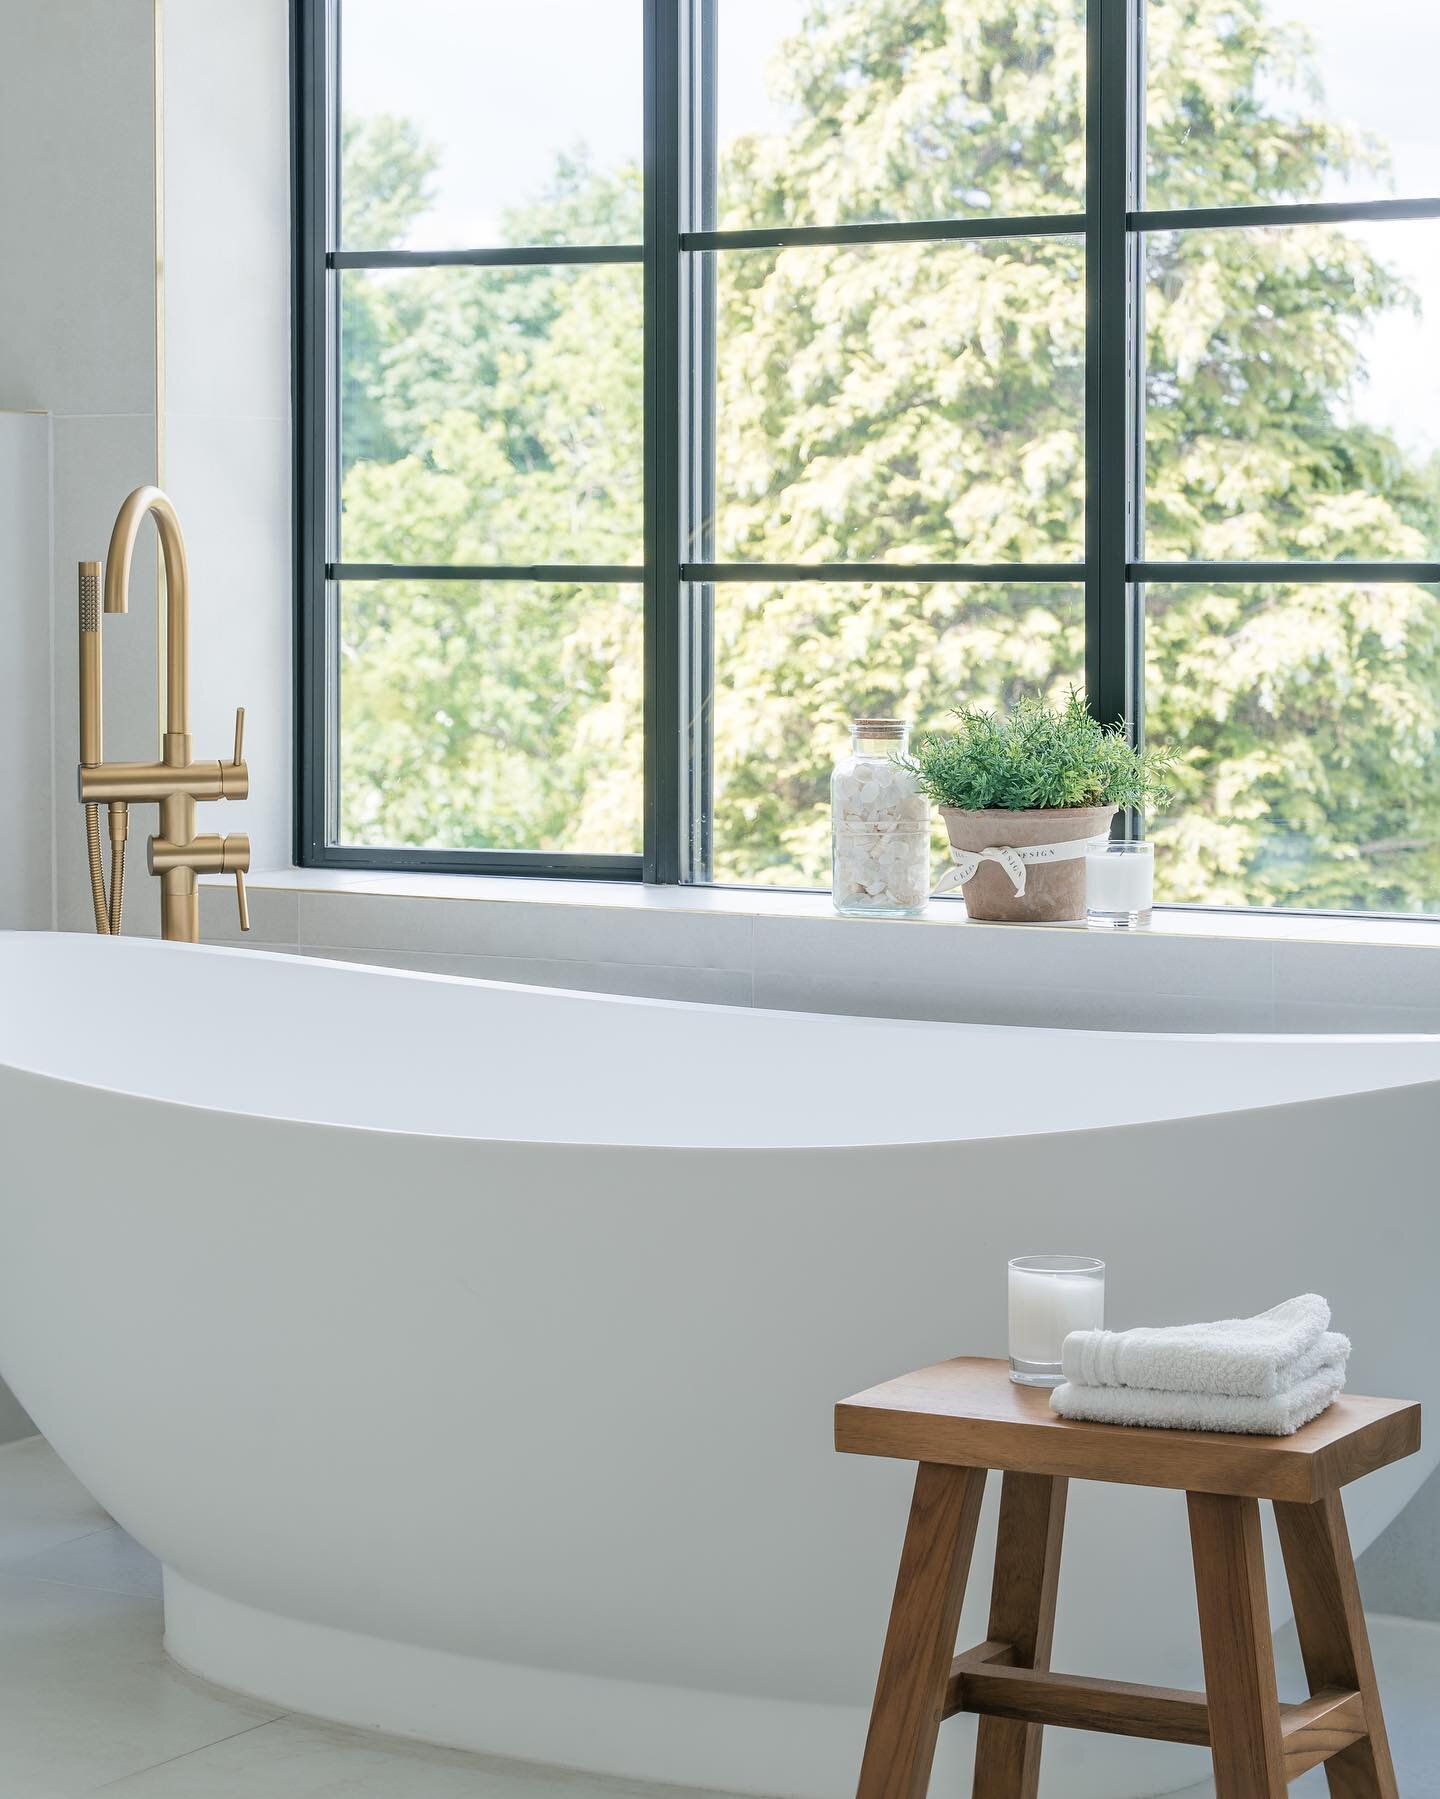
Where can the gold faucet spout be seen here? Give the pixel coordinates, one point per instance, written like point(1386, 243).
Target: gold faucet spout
point(150, 501)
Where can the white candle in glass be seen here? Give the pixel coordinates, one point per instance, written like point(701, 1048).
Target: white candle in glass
point(1119, 883)
point(1050, 1296)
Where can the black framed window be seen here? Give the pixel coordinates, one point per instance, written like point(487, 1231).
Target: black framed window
point(677, 378)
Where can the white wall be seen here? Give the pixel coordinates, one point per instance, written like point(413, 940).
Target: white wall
point(77, 336)
point(226, 434)
point(84, 300)
point(26, 877)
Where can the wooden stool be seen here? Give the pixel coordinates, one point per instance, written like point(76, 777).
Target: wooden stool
point(962, 1417)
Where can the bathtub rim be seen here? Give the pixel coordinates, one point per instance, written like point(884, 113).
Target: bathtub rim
point(591, 1149)
point(846, 1021)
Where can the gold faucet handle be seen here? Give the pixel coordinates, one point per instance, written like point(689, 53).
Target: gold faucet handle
point(234, 777)
point(235, 859)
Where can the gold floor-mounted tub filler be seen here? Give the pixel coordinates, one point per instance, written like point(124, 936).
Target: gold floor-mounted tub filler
point(175, 782)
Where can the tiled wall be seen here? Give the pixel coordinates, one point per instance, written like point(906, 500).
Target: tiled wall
point(26, 878)
point(790, 952)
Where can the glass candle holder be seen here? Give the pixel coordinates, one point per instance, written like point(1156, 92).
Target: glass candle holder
point(1119, 884)
point(1050, 1296)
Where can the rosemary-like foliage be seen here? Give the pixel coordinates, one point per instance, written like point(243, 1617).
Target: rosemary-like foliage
point(1036, 756)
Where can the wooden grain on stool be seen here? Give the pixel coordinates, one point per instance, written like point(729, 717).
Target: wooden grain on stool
point(1022, 1614)
point(1334, 1643)
point(1240, 1693)
point(959, 1419)
point(969, 1411)
point(919, 1645)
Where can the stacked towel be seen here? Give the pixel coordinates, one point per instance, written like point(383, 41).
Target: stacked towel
point(1265, 1376)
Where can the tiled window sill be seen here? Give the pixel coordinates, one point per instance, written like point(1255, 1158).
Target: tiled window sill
point(1192, 971)
point(1229, 924)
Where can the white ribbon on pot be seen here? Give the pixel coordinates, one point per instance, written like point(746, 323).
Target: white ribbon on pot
point(1013, 861)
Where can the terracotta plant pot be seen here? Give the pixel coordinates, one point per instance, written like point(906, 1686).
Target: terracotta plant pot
point(1054, 891)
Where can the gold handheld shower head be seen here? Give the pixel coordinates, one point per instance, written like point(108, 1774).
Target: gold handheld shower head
point(91, 731)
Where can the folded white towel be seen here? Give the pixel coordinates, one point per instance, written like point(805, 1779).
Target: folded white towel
point(1244, 1358)
point(1279, 1415)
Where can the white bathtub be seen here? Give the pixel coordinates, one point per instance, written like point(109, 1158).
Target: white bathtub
point(467, 1352)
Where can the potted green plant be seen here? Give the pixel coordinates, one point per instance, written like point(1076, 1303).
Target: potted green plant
point(1021, 794)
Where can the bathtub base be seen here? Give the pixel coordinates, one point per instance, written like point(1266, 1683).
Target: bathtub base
point(728, 1741)
point(614, 1727)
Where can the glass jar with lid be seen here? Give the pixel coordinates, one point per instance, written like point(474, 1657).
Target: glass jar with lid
point(879, 826)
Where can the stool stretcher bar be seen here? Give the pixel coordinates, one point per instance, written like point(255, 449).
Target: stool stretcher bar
point(1312, 1731)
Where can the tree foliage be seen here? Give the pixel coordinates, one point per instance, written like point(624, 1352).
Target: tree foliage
point(904, 404)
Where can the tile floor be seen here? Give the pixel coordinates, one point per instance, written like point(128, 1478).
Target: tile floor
point(90, 1704)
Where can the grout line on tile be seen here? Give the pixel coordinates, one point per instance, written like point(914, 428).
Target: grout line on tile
point(83, 1586)
point(8, 1566)
point(185, 1754)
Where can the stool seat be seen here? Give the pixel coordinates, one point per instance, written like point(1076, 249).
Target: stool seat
point(967, 1412)
point(961, 1418)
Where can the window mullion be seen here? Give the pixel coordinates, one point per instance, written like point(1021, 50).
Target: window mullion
point(698, 526)
point(314, 74)
point(1112, 494)
point(1135, 373)
point(666, 65)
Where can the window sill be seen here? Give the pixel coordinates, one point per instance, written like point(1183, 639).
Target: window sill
point(1227, 924)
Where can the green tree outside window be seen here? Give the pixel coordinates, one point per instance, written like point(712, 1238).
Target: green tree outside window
point(903, 403)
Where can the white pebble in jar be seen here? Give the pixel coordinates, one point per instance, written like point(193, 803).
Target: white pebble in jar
point(880, 827)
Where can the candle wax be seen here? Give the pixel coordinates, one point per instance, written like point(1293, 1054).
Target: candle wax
point(1045, 1308)
point(1119, 883)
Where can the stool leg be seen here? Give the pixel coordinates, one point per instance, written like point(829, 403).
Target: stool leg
point(1333, 1638)
point(1245, 1743)
point(1022, 1613)
point(920, 1643)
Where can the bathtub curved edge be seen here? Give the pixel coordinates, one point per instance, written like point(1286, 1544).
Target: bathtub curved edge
point(618, 1728)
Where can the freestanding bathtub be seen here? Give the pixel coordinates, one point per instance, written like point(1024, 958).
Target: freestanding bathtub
point(467, 1352)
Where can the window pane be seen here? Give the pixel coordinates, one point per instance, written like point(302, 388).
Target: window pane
point(492, 415)
point(1279, 100)
point(496, 715)
point(795, 663)
point(839, 111)
point(906, 402)
point(1294, 393)
point(467, 124)
point(1305, 719)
